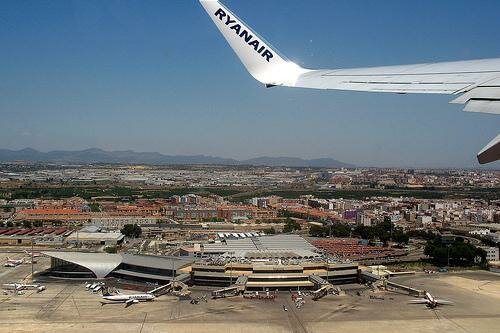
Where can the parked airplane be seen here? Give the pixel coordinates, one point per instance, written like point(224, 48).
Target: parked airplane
point(475, 83)
point(20, 286)
point(127, 299)
point(33, 254)
point(13, 262)
point(430, 301)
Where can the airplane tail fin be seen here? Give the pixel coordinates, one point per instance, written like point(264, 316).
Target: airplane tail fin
point(261, 60)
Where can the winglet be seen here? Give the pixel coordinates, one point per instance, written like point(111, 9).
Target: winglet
point(261, 60)
point(491, 152)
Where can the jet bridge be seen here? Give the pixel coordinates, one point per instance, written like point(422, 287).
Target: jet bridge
point(376, 281)
point(237, 288)
point(225, 292)
point(410, 290)
point(324, 287)
point(176, 288)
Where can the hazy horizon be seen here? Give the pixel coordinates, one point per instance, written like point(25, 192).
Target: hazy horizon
point(157, 76)
point(489, 167)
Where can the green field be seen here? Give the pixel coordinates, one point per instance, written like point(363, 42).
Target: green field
point(238, 194)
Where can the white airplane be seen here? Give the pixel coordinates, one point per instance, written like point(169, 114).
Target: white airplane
point(20, 286)
point(13, 262)
point(33, 254)
point(127, 299)
point(475, 83)
point(430, 301)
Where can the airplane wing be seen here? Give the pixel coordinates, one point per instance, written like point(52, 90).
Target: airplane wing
point(474, 83)
point(130, 302)
point(418, 301)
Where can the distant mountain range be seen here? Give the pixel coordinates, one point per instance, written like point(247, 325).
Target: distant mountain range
point(95, 155)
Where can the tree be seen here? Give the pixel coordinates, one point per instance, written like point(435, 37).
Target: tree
point(339, 230)
point(363, 231)
point(270, 231)
point(291, 225)
point(460, 253)
point(94, 207)
point(423, 234)
point(110, 249)
point(131, 230)
point(10, 224)
point(317, 231)
point(38, 224)
point(383, 231)
point(400, 237)
point(27, 224)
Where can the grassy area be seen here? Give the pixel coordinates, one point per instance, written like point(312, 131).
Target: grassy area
point(419, 266)
point(88, 192)
point(237, 194)
point(412, 266)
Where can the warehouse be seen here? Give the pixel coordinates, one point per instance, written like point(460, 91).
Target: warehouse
point(93, 236)
point(24, 236)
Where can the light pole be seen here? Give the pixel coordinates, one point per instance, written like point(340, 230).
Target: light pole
point(231, 269)
point(327, 266)
point(448, 247)
point(173, 270)
point(32, 268)
point(77, 237)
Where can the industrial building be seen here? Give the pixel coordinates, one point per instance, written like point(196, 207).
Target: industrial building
point(90, 235)
point(41, 235)
point(95, 238)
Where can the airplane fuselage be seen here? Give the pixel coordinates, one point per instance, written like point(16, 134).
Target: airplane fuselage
point(125, 298)
point(13, 262)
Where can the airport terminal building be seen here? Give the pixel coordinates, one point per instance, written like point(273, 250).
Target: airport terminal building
point(131, 267)
point(272, 275)
point(276, 262)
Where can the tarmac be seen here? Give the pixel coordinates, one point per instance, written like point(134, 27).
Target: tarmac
point(68, 307)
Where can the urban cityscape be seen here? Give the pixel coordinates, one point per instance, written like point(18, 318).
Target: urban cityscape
point(203, 235)
point(164, 168)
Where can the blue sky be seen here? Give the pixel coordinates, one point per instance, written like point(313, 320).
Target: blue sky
point(156, 76)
